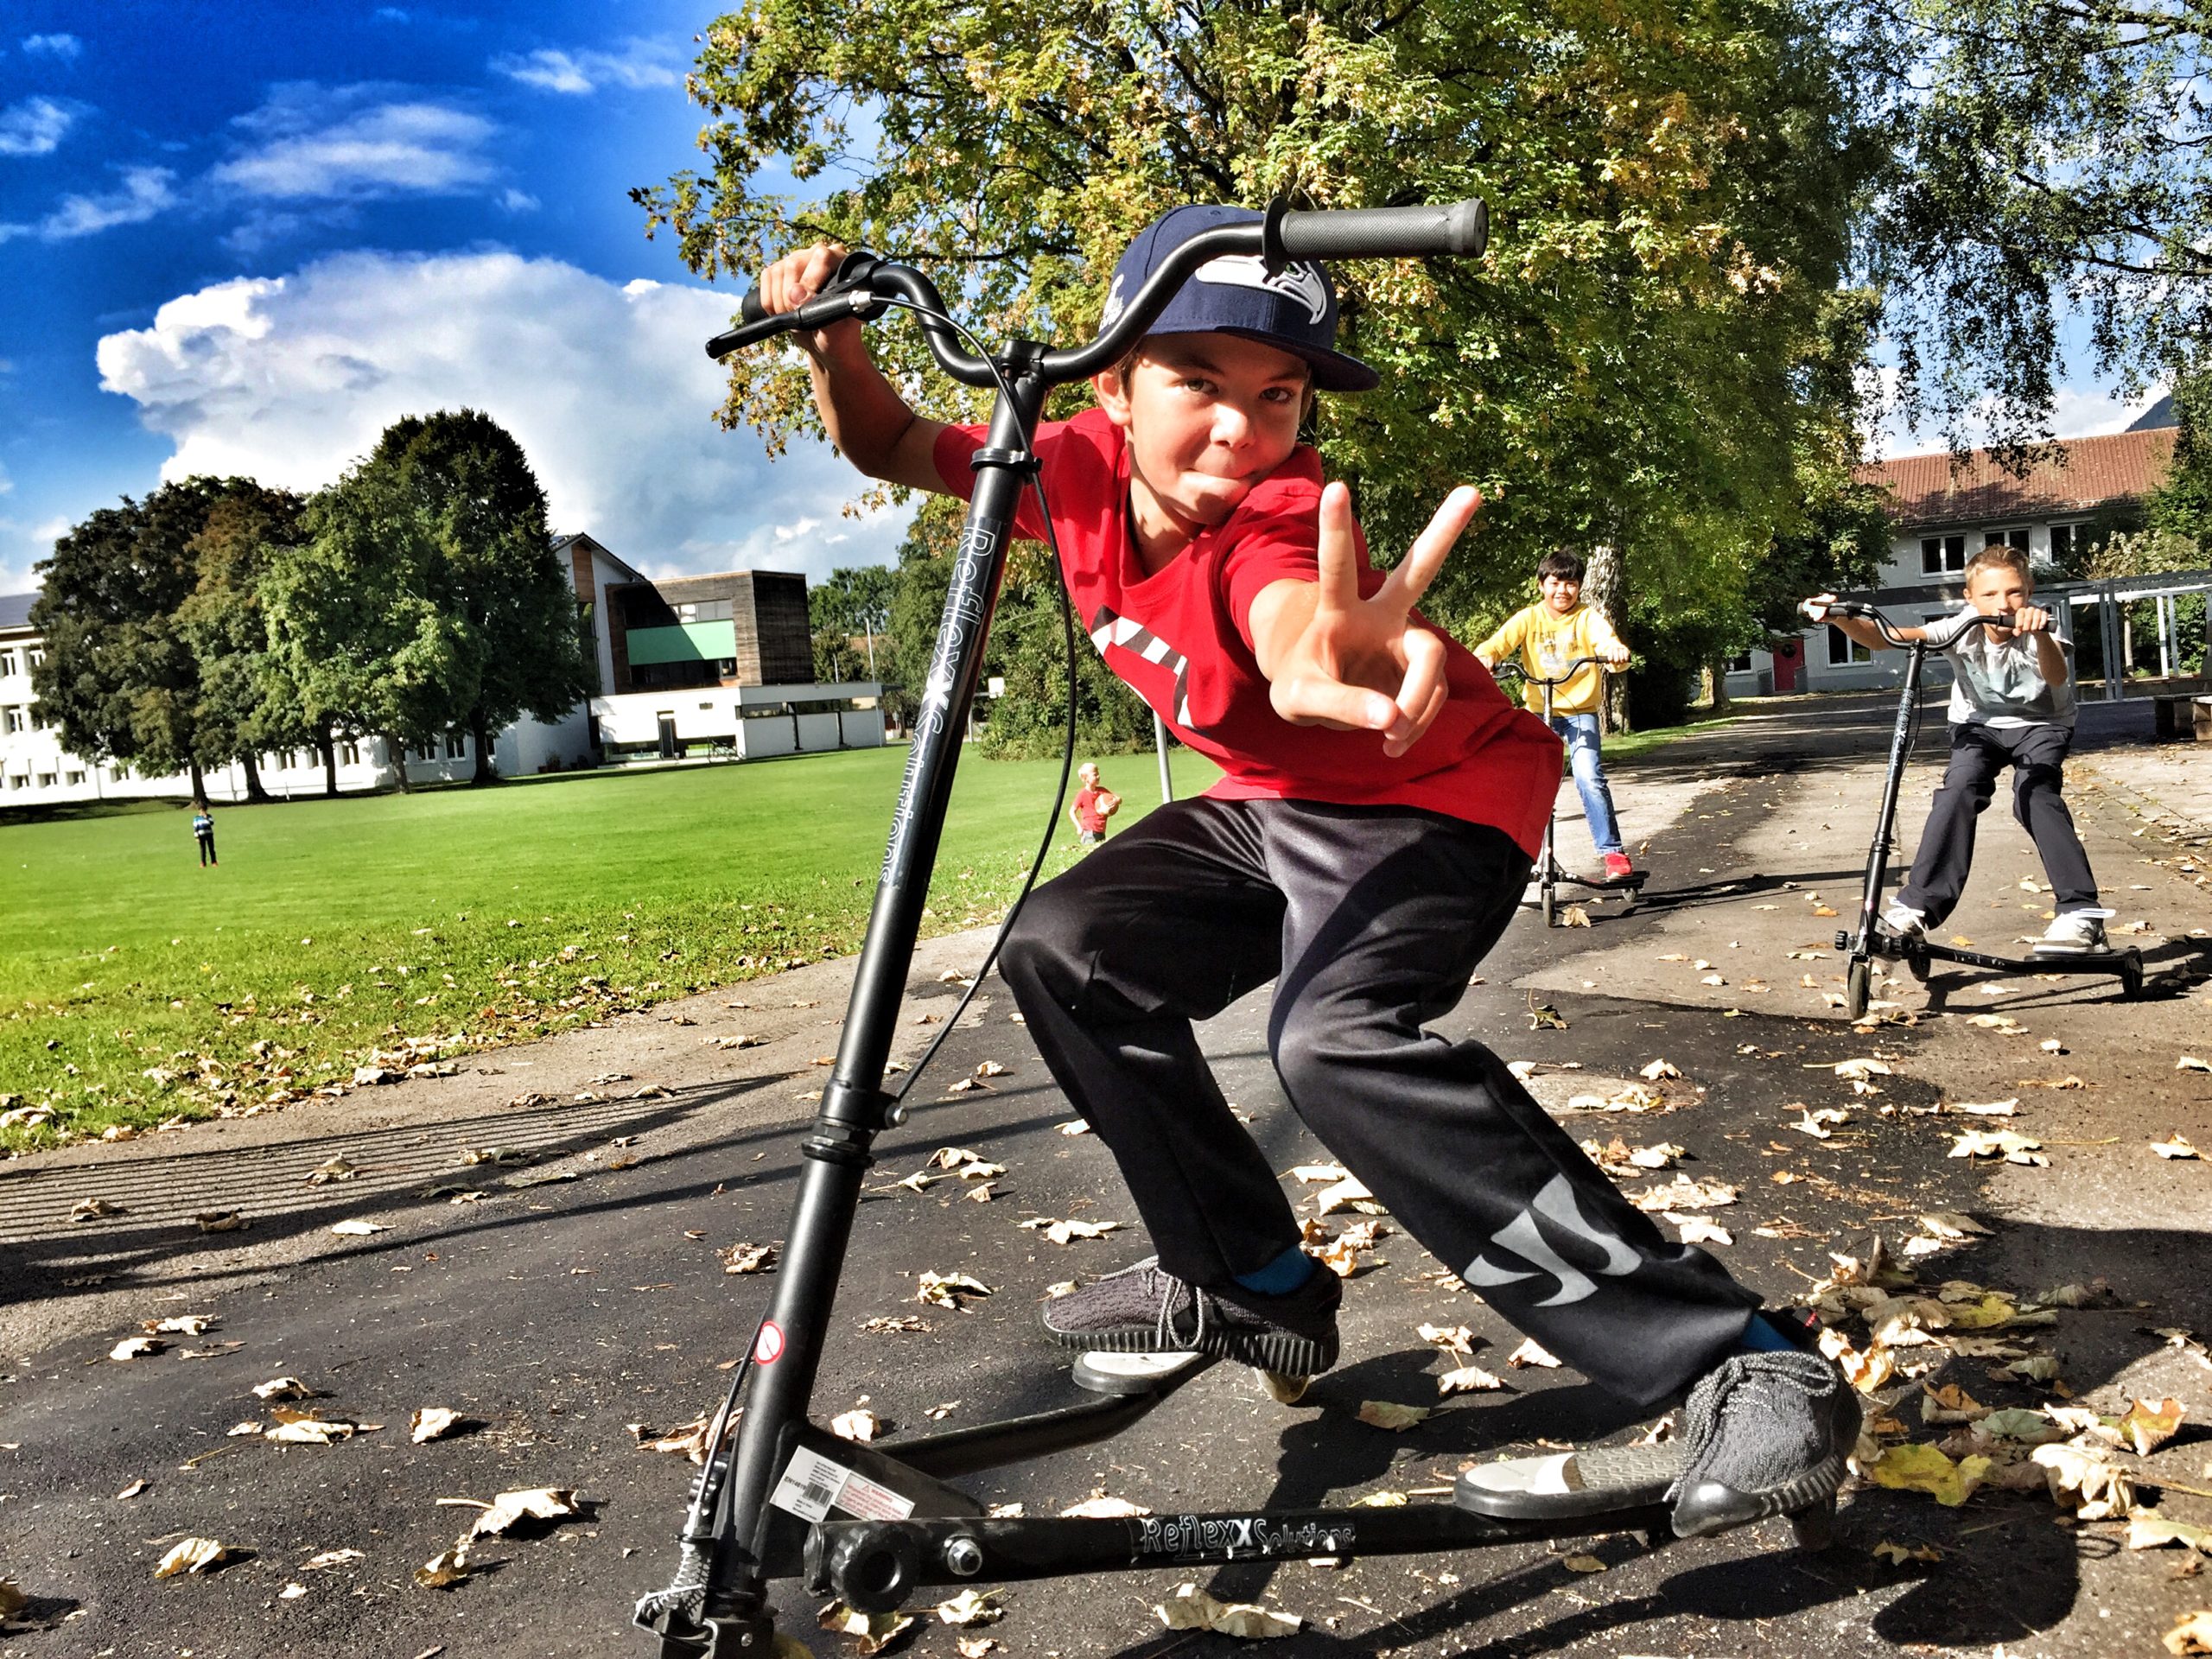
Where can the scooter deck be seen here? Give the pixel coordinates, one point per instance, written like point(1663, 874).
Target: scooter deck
point(1590, 1480)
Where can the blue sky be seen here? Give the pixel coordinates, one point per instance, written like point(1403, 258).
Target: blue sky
point(244, 237)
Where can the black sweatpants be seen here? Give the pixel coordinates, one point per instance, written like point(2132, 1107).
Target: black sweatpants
point(1371, 919)
point(206, 848)
point(2037, 757)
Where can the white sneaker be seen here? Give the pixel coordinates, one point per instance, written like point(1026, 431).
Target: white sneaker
point(2078, 932)
point(1905, 921)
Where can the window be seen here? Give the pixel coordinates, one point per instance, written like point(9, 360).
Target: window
point(1843, 650)
point(705, 610)
point(1740, 663)
point(1939, 554)
point(7, 662)
point(2014, 539)
point(2069, 542)
point(349, 752)
point(16, 782)
point(45, 780)
point(36, 655)
point(17, 719)
point(74, 778)
point(456, 746)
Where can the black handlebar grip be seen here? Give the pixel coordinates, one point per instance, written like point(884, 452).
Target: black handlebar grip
point(1458, 227)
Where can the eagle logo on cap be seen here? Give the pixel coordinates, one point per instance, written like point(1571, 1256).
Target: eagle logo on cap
point(1302, 283)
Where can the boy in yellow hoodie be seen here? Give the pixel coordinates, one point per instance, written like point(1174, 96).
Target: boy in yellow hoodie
point(1547, 637)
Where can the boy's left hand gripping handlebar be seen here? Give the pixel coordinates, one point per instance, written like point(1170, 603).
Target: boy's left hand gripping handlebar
point(1458, 228)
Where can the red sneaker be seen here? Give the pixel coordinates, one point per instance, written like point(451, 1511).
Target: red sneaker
point(1618, 868)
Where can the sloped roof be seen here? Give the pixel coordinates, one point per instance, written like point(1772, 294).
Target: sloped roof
point(15, 610)
point(2093, 471)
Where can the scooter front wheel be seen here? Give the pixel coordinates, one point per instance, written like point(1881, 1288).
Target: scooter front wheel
point(2131, 975)
point(1855, 986)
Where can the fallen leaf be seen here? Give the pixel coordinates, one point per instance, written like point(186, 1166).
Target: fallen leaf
point(859, 1425)
point(2148, 1529)
point(2080, 1476)
point(2010, 1145)
point(946, 1289)
point(2193, 1633)
point(331, 1169)
point(1953, 1224)
point(2149, 1424)
point(358, 1229)
point(1859, 1070)
point(1696, 1230)
point(1898, 1554)
point(132, 1490)
point(445, 1569)
point(1192, 1609)
point(1347, 1194)
point(531, 1503)
point(871, 1632)
point(1066, 1232)
point(748, 1258)
point(1658, 1069)
point(972, 1607)
point(181, 1325)
point(1816, 1123)
point(432, 1423)
point(1582, 1564)
point(971, 1647)
point(1924, 1469)
point(193, 1555)
point(331, 1558)
point(282, 1387)
point(1984, 1109)
point(1468, 1379)
point(220, 1221)
point(94, 1210)
point(2176, 1148)
point(1103, 1508)
point(1388, 1413)
point(1574, 916)
point(1684, 1192)
point(689, 1441)
point(136, 1348)
point(305, 1428)
point(1531, 1352)
point(2190, 1063)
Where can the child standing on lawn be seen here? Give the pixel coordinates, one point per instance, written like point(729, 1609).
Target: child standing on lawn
point(1548, 636)
point(1368, 843)
point(1093, 805)
point(2011, 705)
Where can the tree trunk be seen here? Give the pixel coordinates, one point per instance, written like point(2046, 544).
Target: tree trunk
point(327, 746)
point(486, 772)
point(397, 751)
point(1605, 588)
point(198, 784)
point(1718, 670)
point(254, 792)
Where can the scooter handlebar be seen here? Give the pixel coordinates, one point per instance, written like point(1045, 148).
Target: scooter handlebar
point(1857, 610)
point(1460, 228)
point(1566, 674)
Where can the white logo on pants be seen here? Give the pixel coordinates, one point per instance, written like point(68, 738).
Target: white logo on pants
point(1524, 1236)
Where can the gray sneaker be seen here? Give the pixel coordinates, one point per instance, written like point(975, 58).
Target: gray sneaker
point(1765, 1434)
point(2076, 933)
point(1905, 921)
point(1142, 1310)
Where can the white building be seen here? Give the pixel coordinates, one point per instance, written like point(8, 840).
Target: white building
point(683, 665)
point(1943, 515)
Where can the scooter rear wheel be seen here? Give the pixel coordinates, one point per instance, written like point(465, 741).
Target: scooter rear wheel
point(2131, 975)
point(1855, 986)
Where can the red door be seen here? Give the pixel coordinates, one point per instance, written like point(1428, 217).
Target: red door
point(1789, 663)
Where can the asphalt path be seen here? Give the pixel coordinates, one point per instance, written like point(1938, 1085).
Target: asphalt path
point(555, 1314)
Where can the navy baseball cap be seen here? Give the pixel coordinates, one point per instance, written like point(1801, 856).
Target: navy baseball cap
point(1294, 309)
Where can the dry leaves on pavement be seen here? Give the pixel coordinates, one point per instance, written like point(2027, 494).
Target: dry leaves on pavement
point(748, 1258)
point(1388, 1413)
point(530, 1503)
point(972, 1607)
point(2176, 1146)
point(1066, 1232)
point(859, 1425)
point(689, 1441)
point(1100, 1507)
point(871, 1632)
point(282, 1387)
point(445, 1569)
point(1192, 1609)
point(2008, 1144)
point(433, 1423)
point(192, 1555)
point(948, 1289)
point(1532, 1352)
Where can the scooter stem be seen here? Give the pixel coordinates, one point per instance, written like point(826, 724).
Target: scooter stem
point(1878, 855)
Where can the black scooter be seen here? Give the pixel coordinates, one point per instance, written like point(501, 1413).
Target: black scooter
point(1915, 951)
point(780, 1496)
point(1550, 876)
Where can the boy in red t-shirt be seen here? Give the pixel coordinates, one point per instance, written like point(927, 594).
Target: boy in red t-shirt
point(1093, 805)
point(1369, 839)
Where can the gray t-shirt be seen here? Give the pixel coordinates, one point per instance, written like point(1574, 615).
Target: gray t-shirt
point(2001, 684)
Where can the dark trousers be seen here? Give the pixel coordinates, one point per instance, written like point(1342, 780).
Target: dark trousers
point(206, 850)
point(1371, 920)
point(2037, 757)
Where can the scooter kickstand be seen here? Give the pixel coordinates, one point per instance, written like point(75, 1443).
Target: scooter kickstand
point(1815, 1528)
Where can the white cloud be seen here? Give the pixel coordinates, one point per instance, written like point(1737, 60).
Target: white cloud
point(53, 46)
point(519, 202)
point(639, 63)
point(34, 126)
point(355, 143)
point(2077, 411)
point(290, 379)
point(144, 192)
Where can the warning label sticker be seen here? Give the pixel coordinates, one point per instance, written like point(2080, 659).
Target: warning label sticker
point(812, 1486)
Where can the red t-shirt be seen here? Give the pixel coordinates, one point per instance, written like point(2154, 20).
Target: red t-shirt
point(1180, 638)
point(1086, 805)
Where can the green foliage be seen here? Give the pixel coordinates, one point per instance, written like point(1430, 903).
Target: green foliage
point(240, 688)
point(1647, 353)
point(135, 670)
point(430, 597)
point(853, 605)
point(2182, 505)
point(2052, 155)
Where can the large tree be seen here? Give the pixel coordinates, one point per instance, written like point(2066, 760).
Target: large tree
point(122, 677)
point(427, 597)
point(854, 603)
point(2054, 156)
point(1642, 356)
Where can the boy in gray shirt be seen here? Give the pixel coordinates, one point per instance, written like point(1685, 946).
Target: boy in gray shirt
point(2012, 704)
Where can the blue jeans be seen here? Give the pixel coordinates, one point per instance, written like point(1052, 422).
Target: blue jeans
point(1580, 732)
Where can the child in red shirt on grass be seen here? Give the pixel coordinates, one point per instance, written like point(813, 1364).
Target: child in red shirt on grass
point(1368, 843)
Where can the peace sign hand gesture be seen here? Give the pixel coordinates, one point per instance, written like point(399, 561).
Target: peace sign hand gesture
point(1353, 664)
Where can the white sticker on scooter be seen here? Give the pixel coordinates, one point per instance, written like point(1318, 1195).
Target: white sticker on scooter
point(812, 1486)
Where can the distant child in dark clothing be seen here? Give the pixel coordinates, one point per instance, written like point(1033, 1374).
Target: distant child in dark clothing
point(203, 831)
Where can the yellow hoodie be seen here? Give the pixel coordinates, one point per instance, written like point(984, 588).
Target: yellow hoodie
point(1547, 642)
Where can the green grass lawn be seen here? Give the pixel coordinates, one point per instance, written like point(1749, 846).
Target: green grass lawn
point(136, 987)
point(334, 930)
